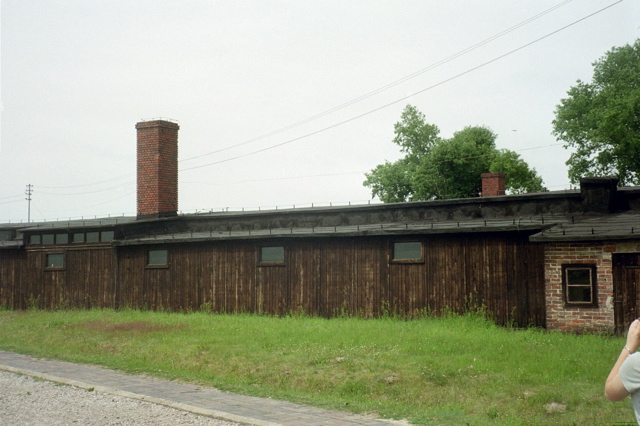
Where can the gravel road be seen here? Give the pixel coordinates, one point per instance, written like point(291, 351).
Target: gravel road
point(28, 401)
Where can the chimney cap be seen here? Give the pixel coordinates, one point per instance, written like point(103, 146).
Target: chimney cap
point(158, 122)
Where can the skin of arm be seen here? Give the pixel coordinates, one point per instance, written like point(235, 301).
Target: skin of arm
point(614, 390)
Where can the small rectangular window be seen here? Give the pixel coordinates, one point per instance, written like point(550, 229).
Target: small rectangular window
point(55, 260)
point(62, 238)
point(274, 254)
point(407, 251)
point(35, 239)
point(158, 258)
point(106, 236)
point(5, 235)
point(93, 237)
point(78, 237)
point(579, 285)
point(48, 239)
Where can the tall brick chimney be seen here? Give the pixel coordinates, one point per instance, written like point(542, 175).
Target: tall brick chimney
point(493, 184)
point(157, 169)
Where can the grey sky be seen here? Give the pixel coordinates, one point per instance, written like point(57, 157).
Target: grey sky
point(77, 76)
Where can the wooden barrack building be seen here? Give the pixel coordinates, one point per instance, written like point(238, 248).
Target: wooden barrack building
point(564, 260)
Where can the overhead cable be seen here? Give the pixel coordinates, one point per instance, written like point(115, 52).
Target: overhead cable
point(404, 98)
point(388, 86)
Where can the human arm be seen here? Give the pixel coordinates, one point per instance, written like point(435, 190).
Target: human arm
point(614, 389)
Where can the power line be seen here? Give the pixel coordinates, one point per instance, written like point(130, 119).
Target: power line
point(89, 184)
point(278, 178)
point(12, 202)
point(91, 192)
point(367, 95)
point(10, 196)
point(468, 71)
point(387, 86)
point(353, 118)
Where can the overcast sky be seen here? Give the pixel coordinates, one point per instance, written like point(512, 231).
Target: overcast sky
point(76, 76)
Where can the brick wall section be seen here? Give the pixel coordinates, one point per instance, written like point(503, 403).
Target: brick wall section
point(493, 184)
point(579, 319)
point(157, 168)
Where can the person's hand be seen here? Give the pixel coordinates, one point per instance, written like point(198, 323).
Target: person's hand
point(633, 336)
point(614, 389)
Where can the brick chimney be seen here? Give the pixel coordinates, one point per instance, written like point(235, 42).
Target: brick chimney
point(493, 184)
point(157, 169)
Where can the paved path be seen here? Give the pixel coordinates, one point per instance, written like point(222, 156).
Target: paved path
point(193, 398)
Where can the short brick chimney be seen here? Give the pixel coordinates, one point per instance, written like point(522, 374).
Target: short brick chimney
point(493, 184)
point(157, 169)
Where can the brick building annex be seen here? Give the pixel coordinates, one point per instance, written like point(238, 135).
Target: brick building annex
point(567, 260)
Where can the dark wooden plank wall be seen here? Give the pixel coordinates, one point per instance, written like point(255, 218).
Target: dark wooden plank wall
point(90, 277)
point(12, 278)
point(86, 281)
point(304, 293)
point(324, 276)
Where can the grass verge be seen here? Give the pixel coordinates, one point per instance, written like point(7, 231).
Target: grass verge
point(454, 370)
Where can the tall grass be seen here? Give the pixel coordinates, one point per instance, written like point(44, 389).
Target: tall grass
point(453, 370)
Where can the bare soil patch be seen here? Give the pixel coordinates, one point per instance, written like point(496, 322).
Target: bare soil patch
point(142, 327)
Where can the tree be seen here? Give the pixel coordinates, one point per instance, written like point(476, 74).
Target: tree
point(392, 182)
point(601, 119)
point(436, 168)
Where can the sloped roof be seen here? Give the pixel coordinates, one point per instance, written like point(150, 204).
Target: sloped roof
point(621, 226)
point(72, 224)
point(532, 223)
point(569, 215)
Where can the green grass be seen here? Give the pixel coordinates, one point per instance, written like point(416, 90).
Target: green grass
point(454, 370)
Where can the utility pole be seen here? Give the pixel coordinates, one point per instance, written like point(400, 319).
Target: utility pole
point(29, 191)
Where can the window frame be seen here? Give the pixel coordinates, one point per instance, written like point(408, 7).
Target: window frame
point(55, 268)
point(61, 238)
point(107, 236)
point(282, 262)
point(593, 285)
point(9, 235)
point(412, 260)
point(95, 237)
point(165, 265)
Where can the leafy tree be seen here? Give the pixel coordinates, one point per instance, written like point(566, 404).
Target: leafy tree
point(601, 119)
point(436, 168)
point(391, 182)
point(520, 178)
point(414, 136)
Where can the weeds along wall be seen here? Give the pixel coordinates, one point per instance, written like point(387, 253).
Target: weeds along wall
point(501, 272)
